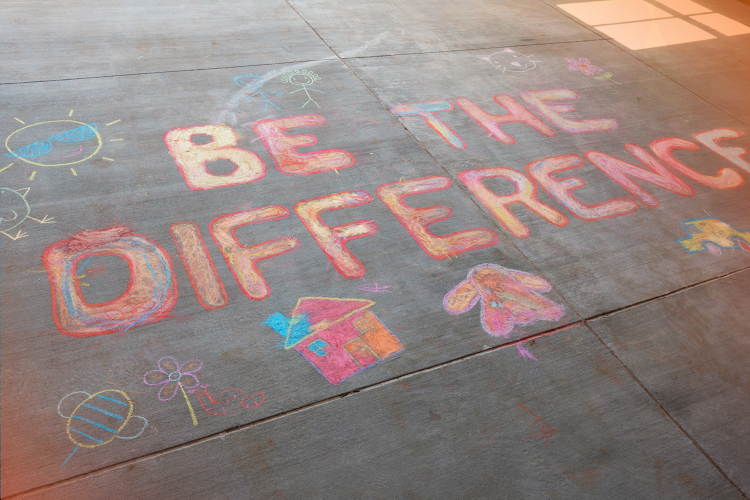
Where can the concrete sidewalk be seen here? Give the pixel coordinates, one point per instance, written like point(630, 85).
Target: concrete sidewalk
point(314, 249)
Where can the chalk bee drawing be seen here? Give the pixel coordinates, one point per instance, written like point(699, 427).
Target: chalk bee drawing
point(510, 61)
point(508, 297)
point(254, 83)
point(340, 337)
point(172, 376)
point(14, 210)
point(99, 419)
point(713, 234)
point(303, 79)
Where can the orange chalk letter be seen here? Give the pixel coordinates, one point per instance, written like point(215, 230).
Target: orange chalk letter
point(416, 220)
point(242, 260)
point(191, 158)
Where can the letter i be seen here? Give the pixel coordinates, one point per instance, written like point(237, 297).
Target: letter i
point(208, 287)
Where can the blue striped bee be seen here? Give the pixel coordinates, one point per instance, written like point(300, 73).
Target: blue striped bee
point(99, 419)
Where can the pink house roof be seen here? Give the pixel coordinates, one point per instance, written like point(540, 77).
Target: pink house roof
point(322, 312)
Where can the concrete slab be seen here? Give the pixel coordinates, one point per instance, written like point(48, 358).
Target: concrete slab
point(95, 38)
point(722, 74)
point(52, 350)
point(690, 351)
point(402, 27)
point(572, 425)
point(597, 265)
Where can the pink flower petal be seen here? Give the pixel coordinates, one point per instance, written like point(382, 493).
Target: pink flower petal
point(168, 364)
point(585, 61)
point(189, 381)
point(191, 366)
point(168, 391)
point(155, 377)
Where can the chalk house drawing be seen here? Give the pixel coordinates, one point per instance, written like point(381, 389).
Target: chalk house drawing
point(303, 79)
point(100, 418)
point(173, 376)
point(508, 297)
point(340, 337)
point(713, 234)
point(510, 61)
point(14, 210)
point(254, 83)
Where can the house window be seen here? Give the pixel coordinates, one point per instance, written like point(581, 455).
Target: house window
point(363, 325)
point(319, 347)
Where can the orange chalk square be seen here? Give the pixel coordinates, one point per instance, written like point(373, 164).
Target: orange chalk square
point(613, 11)
point(660, 33)
point(684, 7)
point(722, 24)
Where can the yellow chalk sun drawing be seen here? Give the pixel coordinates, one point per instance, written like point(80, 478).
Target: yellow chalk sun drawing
point(55, 143)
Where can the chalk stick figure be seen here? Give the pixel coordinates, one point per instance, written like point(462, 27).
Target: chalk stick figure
point(254, 82)
point(303, 79)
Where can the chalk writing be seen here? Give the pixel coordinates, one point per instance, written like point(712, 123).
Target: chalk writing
point(508, 297)
point(339, 337)
point(200, 267)
point(511, 61)
point(254, 83)
point(545, 432)
point(303, 79)
point(99, 418)
point(150, 295)
point(229, 401)
point(713, 234)
point(172, 376)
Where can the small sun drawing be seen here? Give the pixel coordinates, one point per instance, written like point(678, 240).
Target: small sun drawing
point(304, 79)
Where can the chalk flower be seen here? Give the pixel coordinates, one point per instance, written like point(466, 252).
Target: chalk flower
point(583, 65)
point(172, 376)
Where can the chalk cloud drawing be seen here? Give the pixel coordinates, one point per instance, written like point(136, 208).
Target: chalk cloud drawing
point(303, 79)
point(254, 83)
point(510, 61)
point(508, 297)
point(584, 65)
point(14, 210)
point(229, 401)
point(173, 376)
point(99, 418)
point(713, 234)
point(340, 337)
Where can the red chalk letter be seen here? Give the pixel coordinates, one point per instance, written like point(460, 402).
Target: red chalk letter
point(496, 204)
point(621, 172)
point(283, 147)
point(539, 98)
point(191, 158)
point(416, 220)
point(733, 154)
point(427, 111)
point(726, 178)
point(200, 267)
point(333, 239)
point(243, 260)
point(516, 113)
point(150, 294)
point(561, 189)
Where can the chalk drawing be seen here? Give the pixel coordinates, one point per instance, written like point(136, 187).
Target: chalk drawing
point(340, 337)
point(229, 401)
point(713, 234)
point(510, 61)
point(303, 79)
point(509, 298)
point(173, 376)
point(76, 142)
point(151, 291)
point(524, 353)
point(545, 432)
point(584, 65)
point(99, 418)
point(254, 83)
point(14, 210)
point(374, 287)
